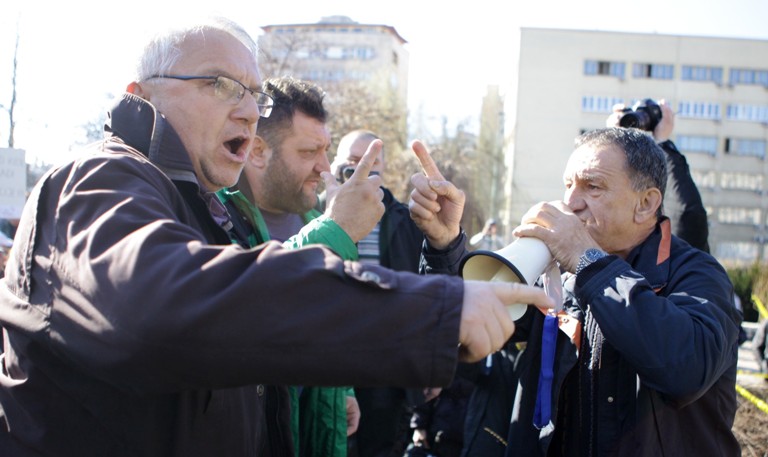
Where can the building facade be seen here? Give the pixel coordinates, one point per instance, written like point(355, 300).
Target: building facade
point(337, 49)
point(568, 81)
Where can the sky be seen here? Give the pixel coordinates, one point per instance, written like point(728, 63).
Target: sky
point(75, 56)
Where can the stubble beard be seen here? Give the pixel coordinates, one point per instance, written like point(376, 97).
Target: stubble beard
point(284, 191)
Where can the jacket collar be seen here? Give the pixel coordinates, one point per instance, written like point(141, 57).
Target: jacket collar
point(651, 258)
point(138, 123)
point(388, 199)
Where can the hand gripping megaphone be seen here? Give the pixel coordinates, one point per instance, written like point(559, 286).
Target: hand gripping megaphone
point(523, 261)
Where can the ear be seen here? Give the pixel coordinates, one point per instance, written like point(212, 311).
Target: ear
point(135, 89)
point(260, 153)
point(648, 203)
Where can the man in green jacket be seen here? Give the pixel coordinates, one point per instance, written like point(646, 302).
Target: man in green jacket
point(275, 200)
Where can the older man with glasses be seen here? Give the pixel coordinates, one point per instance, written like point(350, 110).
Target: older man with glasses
point(134, 327)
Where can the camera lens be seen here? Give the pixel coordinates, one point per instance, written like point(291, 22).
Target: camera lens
point(346, 173)
point(645, 115)
point(636, 119)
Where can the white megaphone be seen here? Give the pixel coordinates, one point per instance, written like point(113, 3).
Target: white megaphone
point(523, 261)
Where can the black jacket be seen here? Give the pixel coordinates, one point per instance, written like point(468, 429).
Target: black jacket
point(682, 201)
point(133, 326)
point(400, 240)
point(385, 411)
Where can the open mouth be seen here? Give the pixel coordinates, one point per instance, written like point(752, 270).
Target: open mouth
point(235, 145)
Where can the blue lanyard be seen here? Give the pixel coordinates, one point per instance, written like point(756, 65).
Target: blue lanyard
point(543, 413)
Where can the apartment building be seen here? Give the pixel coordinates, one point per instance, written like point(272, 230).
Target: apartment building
point(568, 80)
point(337, 49)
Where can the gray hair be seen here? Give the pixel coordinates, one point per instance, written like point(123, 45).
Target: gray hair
point(162, 52)
point(646, 162)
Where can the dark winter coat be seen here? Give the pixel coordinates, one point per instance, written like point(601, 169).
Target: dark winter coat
point(133, 327)
point(662, 382)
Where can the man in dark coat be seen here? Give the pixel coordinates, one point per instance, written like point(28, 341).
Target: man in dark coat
point(395, 242)
point(133, 326)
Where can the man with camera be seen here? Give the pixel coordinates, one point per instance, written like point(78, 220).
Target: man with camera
point(395, 242)
point(642, 358)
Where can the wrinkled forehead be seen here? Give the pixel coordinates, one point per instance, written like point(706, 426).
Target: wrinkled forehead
point(215, 49)
point(589, 159)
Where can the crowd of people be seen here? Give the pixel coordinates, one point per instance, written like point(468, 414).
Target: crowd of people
point(184, 289)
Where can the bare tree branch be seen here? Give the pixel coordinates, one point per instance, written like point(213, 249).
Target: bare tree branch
point(12, 107)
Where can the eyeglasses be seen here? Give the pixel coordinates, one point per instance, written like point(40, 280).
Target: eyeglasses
point(230, 90)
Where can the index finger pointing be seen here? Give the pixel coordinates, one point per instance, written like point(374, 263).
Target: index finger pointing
point(364, 166)
point(511, 293)
point(427, 163)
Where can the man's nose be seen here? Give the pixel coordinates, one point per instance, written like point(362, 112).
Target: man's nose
point(247, 110)
point(323, 164)
point(573, 199)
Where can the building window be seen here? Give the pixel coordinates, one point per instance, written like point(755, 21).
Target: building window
point(755, 113)
point(737, 215)
point(741, 181)
point(653, 71)
point(364, 53)
point(358, 75)
point(746, 76)
point(696, 73)
point(704, 179)
point(738, 251)
point(697, 143)
point(597, 104)
point(699, 110)
point(334, 52)
point(745, 147)
point(602, 67)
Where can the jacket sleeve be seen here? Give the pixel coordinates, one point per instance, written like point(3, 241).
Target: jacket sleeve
point(143, 301)
point(325, 231)
point(683, 202)
point(443, 261)
point(680, 341)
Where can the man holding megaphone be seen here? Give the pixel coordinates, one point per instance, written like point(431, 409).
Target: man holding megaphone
point(642, 357)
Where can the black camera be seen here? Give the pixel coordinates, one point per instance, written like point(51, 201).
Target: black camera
point(644, 115)
point(347, 172)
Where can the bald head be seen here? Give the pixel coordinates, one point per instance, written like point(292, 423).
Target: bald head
point(351, 148)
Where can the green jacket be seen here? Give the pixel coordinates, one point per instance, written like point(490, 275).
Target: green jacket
point(319, 414)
